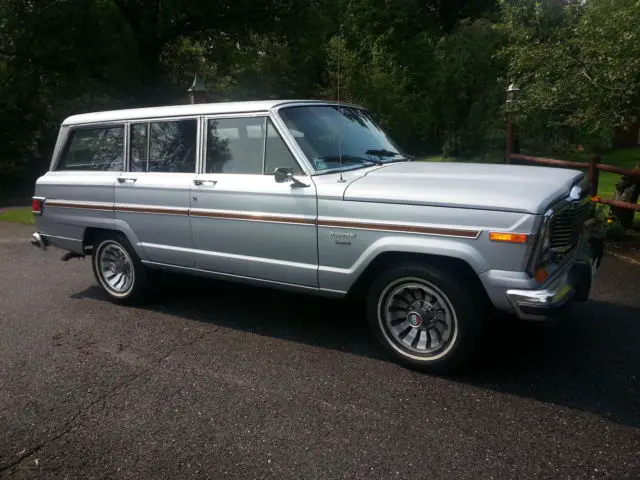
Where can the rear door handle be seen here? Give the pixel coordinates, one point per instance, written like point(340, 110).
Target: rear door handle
point(126, 180)
point(197, 181)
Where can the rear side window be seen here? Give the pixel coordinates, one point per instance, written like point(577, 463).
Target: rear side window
point(164, 146)
point(99, 148)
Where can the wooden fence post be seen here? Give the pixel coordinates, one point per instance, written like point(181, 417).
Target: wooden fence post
point(512, 96)
point(594, 174)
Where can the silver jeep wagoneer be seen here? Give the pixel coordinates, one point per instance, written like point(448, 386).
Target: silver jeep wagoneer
point(314, 196)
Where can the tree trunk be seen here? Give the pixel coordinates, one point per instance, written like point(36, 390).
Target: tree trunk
point(627, 190)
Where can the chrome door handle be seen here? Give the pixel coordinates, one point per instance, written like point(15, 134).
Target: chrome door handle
point(197, 181)
point(126, 180)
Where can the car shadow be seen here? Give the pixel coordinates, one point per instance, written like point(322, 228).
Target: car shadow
point(313, 320)
point(590, 360)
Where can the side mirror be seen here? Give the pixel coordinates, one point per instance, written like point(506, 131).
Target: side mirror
point(283, 175)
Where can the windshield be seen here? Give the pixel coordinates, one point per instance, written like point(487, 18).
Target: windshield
point(334, 137)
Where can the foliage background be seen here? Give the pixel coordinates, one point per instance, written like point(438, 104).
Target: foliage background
point(433, 71)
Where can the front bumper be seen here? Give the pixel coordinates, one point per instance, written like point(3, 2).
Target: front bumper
point(573, 283)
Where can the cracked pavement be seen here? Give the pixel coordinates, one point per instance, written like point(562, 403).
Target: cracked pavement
point(215, 380)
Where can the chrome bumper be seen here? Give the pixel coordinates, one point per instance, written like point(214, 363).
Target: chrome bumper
point(39, 241)
point(571, 284)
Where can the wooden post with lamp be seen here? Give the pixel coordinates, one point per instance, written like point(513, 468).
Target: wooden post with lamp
point(512, 96)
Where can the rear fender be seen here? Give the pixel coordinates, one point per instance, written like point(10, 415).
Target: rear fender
point(120, 226)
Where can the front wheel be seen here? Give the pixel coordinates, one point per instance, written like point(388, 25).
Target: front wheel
point(118, 269)
point(426, 317)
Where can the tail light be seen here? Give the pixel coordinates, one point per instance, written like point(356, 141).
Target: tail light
point(37, 205)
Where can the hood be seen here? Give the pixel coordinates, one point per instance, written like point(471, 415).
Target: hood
point(514, 188)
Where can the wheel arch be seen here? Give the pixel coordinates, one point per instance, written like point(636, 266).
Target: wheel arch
point(91, 233)
point(388, 259)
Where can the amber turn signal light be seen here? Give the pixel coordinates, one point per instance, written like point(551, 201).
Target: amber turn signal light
point(508, 237)
point(541, 275)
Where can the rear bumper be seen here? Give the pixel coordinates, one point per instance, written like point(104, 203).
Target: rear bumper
point(572, 284)
point(39, 241)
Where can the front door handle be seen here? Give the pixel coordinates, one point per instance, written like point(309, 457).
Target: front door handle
point(126, 180)
point(197, 181)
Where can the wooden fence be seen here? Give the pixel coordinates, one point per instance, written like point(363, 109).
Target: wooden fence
point(594, 167)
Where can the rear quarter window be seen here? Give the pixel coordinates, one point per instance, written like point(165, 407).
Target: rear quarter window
point(95, 148)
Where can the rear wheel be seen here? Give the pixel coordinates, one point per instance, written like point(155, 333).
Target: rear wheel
point(118, 269)
point(426, 317)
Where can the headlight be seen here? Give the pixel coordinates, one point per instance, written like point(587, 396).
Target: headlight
point(542, 246)
point(546, 240)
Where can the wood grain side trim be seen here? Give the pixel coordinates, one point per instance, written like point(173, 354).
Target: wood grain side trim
point(79, 204)
point(268, 218)
point(386, 227)
point(151, 209)
point(253, 217)
point(103, 206)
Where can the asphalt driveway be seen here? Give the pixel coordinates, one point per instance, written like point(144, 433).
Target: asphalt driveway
point(216, 380)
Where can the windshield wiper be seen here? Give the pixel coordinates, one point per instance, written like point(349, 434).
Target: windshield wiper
point(382, 153)
point(388, 153)
point(349, 158)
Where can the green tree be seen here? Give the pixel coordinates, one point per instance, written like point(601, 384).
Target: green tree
point(433, 83)
point(578, 64)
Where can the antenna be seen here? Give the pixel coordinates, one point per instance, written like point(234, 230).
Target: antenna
point(339, 114)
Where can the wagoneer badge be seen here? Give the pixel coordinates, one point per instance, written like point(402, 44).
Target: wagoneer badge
point(333, 233)
point(343, 238)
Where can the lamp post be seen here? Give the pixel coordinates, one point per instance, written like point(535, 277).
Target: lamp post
point(512, 98)
point(198, 93)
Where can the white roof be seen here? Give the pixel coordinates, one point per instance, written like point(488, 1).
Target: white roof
point(185, 110)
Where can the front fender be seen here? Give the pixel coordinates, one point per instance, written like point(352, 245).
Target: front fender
point(342, 279)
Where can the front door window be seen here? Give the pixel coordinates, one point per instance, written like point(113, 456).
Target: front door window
point(248, 146)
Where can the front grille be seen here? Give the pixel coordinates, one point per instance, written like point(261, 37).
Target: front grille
point(567, 226)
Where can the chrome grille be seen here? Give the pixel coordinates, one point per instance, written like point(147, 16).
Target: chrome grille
point(567, 226)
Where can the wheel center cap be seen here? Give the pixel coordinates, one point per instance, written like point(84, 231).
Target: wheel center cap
point(415, 319)
point(118, 267)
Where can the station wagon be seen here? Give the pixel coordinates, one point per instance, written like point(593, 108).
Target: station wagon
point(314, 196)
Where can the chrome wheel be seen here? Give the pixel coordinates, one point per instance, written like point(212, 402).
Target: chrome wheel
point(417, 319)
point(115, 268)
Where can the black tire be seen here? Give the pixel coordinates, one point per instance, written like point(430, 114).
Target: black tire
point(462, 295)
point(140, 283)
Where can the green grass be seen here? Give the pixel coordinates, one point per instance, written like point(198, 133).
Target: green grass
point(488, 157)
point(435, 158)
point(18, 215)
point(624, 158)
